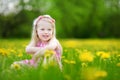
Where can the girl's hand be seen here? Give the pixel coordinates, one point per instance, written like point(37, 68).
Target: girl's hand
point(39, 53)
point(32, 50)
point(36, 56)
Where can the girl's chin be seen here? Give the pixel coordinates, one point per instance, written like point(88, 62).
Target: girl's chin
point(45, 39)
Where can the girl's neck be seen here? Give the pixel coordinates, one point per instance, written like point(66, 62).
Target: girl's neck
point(43, 42)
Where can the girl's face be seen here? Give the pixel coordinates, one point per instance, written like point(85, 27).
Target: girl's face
point(44, 31)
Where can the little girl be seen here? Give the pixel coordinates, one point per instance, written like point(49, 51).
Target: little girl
point(43, 39)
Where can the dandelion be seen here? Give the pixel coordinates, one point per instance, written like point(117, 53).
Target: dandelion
point(99, 53)
point(66, 61)
point(100, 74)
point(66, 50)
point(72, 62)
point(93, 74)
point(3, 52)
point(48, 53)
point(84, 65)
point(103, 55)
point(20, 55)
point(71, 43)
point(12, 51)
point(69, 61)
point(16, 66)
point(118, 64)
point(118, 55)
point(86, 56)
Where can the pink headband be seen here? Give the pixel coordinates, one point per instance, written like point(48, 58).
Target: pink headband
point(41, 17)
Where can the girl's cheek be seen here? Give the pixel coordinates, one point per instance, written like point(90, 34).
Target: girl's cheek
point(39, 32)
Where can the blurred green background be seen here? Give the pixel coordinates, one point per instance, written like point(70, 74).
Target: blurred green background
point(74, 18)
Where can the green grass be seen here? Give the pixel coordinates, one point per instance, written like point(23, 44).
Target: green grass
point(82, 59)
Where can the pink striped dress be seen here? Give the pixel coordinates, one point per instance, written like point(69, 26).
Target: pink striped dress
point(57, 56)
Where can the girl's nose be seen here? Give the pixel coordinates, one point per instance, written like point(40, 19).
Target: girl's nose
point(46, 31)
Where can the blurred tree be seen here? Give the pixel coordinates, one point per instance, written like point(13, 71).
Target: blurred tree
point(111, 27)
point(81, 18)
point(20, 23)
point(74, 18)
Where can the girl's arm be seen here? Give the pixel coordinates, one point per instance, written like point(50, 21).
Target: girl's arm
point(32, 50)
point(41, 51)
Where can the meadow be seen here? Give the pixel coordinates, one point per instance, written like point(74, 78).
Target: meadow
point(82, 59)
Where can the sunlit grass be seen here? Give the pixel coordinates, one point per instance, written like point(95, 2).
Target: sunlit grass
point(84, 59)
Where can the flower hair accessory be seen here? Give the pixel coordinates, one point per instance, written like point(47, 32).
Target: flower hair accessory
point(44, 17)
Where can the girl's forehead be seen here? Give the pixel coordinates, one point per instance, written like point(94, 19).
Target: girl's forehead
point(44, 24)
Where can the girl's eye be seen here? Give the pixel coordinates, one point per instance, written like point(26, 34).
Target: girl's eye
point(49, 29)
point(42, 29)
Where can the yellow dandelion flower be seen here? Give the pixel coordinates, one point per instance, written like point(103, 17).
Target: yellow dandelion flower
point(69, 61)
point(72, 62)
point(105, 56)
point(84, 65)
point(99, 74)
point(87, 74)
point(118, 55)
point(99, 53)
point(66, 61)
point(118, 64)
point(3, 52)
point(66, 50)
point(48, 53)
point(93, 74)
point(16, 66)
point(86, 56)
point(20, 55)
point(12, 51)
point(71, 43)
